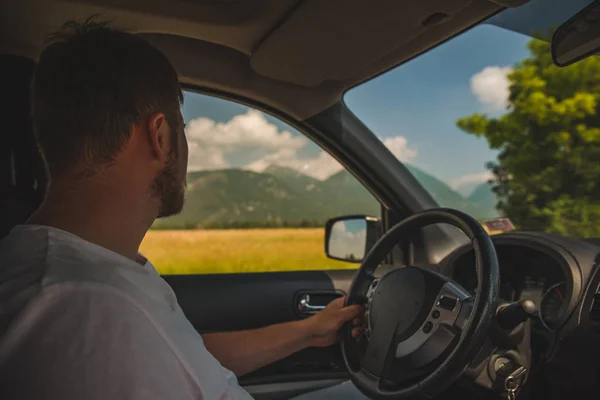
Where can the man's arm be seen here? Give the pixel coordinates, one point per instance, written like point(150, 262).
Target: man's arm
point(245, 351)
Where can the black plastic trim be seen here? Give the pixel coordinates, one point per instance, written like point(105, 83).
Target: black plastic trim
point(571, 261)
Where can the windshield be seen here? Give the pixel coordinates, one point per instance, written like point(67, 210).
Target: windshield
point(488, 125)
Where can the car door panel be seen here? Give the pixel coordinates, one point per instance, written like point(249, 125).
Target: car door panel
point(216, 303)
point(228, 302)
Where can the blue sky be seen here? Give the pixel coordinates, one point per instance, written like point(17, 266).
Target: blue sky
point(412, 108)
point(422, 99)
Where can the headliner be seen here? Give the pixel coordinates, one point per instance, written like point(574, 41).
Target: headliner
point(298, 57)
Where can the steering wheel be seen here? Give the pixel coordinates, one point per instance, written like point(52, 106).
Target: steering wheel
point(422, 328)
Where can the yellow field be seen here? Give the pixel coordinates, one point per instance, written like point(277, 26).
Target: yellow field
point(229, 251)
point(245, 250)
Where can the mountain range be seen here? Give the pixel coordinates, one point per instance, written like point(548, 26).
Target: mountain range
point(281, 196)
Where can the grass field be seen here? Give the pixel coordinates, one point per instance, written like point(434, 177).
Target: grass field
point(231, 251)
point(244, 250)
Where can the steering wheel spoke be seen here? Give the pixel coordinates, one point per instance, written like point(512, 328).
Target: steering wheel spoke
point(437, 331)
point(464, 314)
point(369, 383)
point(377, 352)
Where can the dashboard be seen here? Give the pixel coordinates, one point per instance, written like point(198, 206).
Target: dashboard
point(525, 274)
point(560, 275)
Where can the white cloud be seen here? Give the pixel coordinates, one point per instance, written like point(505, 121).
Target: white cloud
point(243, 130)
point(250, 141)
point(399, 147)
point(205, 157)
point(471, 179)
point(243, 138)
point(491, 87)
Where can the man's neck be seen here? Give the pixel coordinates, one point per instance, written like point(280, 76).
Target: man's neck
point(102, 214)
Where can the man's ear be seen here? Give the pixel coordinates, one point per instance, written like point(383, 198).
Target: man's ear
point(158, 136)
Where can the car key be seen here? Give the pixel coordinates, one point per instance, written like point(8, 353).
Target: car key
point(511, 383)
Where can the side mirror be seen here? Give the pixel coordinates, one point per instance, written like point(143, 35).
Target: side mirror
point(577, 38)
point(350, 238)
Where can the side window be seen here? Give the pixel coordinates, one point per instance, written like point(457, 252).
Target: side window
point(258, 195)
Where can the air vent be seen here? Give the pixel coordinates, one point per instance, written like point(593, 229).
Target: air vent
point(595, 313)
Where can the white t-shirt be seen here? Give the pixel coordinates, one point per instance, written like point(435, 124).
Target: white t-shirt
point(78, 321)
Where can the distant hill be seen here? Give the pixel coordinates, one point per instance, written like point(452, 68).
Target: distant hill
point(447, 197)
point(350, 195)
point(282, 196)
point(339, 194)
point(220, 198)
point(276, 197)
point(294, 179)
point(484, 196)
point(466, 189)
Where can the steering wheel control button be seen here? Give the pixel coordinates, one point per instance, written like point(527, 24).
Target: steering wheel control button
point(447, 302)
point(435, 314)
point(427, 327)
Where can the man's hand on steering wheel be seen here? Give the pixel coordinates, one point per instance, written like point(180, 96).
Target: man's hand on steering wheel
point(324, 327)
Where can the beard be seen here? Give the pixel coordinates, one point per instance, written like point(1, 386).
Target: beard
point(169, 188)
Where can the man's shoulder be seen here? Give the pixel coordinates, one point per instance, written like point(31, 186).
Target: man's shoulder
point(37, 261)
point(22, 248)
point(23, 260)
point(58, 256)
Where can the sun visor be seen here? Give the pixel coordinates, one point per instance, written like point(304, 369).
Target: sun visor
point(333, 39)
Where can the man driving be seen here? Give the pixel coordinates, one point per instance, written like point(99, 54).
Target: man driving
point(83, 315)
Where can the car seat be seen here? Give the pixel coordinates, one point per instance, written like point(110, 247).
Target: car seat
point(23, 177)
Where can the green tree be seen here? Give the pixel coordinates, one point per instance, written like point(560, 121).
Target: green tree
point(547, 175)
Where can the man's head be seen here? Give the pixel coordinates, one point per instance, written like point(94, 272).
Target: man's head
point(99, 93)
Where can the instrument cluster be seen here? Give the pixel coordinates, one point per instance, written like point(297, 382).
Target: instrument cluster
point(525, 274)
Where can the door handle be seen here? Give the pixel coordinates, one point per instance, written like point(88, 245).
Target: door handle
point(305, 307)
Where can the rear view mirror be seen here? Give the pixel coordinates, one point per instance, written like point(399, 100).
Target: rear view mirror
point(349, 238)
point(577, 38)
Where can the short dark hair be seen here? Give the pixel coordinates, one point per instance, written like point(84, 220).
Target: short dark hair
point(92, 83)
